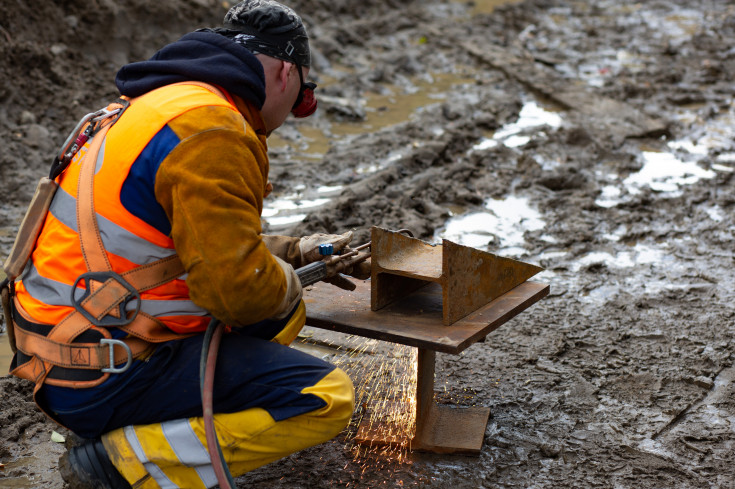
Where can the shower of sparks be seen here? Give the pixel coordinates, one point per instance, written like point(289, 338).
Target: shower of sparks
point(384, 422)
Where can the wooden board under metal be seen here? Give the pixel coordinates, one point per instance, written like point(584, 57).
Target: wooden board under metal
point(417, 319)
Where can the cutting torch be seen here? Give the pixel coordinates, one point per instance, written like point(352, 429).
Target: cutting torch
point(332, 264)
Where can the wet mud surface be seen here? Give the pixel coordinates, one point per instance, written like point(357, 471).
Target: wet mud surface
point(610, 128)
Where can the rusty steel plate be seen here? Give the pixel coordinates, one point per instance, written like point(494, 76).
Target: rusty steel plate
point(457, 430)
point(444, 429)
point(415, 320)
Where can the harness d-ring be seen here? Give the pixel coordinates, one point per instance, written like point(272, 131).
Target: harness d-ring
point(112, 343)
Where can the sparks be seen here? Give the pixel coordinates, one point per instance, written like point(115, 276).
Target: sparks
point(384, 422)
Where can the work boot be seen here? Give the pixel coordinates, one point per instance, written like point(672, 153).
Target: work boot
point(87, 466)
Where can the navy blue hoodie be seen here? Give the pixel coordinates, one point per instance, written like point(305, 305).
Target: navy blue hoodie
point(198, 56)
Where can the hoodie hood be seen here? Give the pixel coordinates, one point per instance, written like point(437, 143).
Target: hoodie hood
point(198, 56)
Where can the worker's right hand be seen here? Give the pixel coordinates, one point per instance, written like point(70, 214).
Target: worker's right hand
point(362, 270)
point(293, 291)
point(309, 245)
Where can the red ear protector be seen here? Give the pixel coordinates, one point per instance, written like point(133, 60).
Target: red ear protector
point(306, 102)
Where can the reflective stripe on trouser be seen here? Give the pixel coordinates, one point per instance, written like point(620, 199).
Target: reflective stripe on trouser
point(173, 454)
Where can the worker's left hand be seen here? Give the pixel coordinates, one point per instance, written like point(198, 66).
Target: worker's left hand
point(309, 245)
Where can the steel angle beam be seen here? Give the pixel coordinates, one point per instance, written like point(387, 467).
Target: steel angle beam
point(469, 278)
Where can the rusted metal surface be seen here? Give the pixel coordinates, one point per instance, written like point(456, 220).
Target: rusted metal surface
point(424, 389)
point(453, 430)
point(417, 319)
point(469, 278)
point(443, 429)
point(437, 298)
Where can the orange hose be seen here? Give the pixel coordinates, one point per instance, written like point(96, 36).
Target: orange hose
point(215, 452)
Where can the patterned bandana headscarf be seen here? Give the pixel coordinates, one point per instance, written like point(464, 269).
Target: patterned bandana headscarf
point(268, 27)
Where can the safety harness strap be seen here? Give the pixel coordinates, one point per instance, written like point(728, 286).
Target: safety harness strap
point(104, 298)
point(94, 356)
point(89, 234)
point(69, 345)
point(42, 351)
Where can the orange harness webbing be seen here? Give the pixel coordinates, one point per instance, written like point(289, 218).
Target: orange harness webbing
point(57, 348)
point(103, 304)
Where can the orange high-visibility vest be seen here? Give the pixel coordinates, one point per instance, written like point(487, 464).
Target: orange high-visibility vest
point(128, 245)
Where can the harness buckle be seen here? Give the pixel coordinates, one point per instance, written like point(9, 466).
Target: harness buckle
point(112, 368)
point(106, 320)
point(104, 114)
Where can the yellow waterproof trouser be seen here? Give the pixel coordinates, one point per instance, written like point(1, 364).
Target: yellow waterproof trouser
point(173, 454)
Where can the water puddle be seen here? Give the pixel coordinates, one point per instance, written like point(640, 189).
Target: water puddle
point(713, 136)
point(640, 254)
point(286, 210)
point(652, 265)
point(532, 119)
point(396, 105)
point(667, 172)
point(707, 150)
point(290, 209)
point(487, 6)
point(499, 228)
point(24, 482)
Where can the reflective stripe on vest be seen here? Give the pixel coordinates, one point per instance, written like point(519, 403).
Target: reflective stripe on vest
point(56, 293)
point(45, 290)
point(115, 239)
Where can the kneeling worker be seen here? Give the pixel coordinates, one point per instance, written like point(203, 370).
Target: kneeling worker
point(154, 231)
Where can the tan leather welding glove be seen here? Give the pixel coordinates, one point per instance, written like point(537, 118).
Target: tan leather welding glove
point(293, 292)
point(284, 247)
point(309, 245)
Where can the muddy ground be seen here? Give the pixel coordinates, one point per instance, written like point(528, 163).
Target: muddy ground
point(623, 376)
